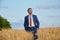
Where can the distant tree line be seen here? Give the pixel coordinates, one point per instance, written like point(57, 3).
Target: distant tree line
point(4, 23)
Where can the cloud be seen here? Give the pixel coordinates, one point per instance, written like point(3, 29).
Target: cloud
point(4, 7)
point(48, 6)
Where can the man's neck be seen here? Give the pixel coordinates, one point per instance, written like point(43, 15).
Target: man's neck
point(30, 14)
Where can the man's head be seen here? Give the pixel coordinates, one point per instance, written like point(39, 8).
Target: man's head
point(29, 11)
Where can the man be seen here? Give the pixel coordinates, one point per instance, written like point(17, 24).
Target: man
point(31, 23)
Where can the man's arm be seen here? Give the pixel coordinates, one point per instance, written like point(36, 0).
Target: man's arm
point(25, 26)
point(37, 21)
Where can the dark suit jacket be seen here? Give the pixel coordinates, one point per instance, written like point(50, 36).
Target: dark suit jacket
point(26, 22)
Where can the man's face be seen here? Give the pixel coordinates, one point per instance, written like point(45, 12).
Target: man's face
point(30, 11)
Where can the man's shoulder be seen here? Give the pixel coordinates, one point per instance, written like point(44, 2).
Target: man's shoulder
point(26, 16)
point(34, 15)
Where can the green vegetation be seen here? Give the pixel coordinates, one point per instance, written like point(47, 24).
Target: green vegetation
point(4, 23)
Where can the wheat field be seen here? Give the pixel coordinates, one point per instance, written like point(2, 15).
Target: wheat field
point(43, 34)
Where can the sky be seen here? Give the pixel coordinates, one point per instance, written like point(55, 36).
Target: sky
point(47, 11)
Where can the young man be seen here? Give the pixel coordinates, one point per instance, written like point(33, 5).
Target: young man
point(31, 23)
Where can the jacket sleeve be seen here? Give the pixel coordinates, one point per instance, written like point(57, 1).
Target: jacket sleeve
point(37, 22)
point(25, 24)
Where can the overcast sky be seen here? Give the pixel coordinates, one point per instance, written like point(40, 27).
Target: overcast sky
point(48, 11)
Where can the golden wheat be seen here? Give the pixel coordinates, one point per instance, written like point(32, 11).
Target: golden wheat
point(43, 34)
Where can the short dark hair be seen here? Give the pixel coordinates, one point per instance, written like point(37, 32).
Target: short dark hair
point(29, 9)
